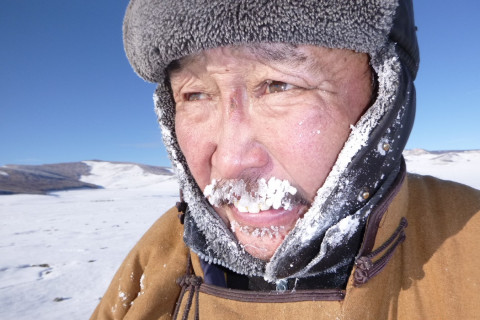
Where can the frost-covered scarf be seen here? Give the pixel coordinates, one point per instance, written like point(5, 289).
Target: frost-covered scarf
point(157, 32)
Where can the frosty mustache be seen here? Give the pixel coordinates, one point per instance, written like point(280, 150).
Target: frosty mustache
point(253, 196)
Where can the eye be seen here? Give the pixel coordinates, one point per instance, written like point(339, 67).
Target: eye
point(195, 96)
point(277, 86)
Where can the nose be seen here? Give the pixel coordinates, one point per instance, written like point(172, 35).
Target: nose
point(238, 151)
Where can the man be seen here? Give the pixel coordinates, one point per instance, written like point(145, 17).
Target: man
point(285, 122)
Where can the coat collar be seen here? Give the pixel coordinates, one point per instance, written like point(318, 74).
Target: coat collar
point(384, 231)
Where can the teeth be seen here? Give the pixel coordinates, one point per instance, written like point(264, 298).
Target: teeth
point(264, 206)
point(251, 208)
point(242, 209)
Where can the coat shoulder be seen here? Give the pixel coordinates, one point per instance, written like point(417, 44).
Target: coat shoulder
point(145, 284)
point(440, 257)
point(442, 206)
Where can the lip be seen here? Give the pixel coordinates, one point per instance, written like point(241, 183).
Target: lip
point(267, 218)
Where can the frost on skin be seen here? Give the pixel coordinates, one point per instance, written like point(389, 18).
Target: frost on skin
point(270, 232)
point(265, 195)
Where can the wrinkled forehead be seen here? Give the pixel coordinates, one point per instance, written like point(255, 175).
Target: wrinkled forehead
point(281, 52)
point(289, 55)
point(263, 52)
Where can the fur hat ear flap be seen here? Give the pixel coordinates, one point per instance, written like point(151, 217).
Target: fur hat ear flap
point(404, 34)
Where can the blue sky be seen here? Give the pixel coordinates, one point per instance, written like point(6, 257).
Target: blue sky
point(67, 92)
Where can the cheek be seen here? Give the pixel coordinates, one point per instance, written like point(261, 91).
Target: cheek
point(310, 148)
point(194, 143)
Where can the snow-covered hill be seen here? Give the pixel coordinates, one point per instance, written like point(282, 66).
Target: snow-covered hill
point(59, 251)
point(42, 179)
point(460, 166)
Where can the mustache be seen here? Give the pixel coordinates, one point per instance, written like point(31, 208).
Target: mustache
point(274, 193)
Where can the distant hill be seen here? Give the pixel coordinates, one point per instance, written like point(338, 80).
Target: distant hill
point(460, 166)
point(42, 179)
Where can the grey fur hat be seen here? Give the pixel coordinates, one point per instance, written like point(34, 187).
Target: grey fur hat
point(158, 32)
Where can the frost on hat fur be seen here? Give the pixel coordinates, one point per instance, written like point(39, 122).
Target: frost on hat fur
point(158, 32)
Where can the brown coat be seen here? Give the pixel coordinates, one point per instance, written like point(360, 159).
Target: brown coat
point(433, 274)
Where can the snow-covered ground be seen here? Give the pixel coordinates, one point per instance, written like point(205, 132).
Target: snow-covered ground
point(460, 166)
point(59, 251)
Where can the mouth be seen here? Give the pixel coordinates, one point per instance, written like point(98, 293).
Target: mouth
point(270, 218)
point(253, 196)
point(257, 208)
point(260, 234)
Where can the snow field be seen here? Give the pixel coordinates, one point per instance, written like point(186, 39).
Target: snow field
point(59, 252)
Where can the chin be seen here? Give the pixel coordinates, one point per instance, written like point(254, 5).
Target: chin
point(261, 243)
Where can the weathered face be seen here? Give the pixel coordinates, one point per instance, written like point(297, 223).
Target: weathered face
point(267, 111)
